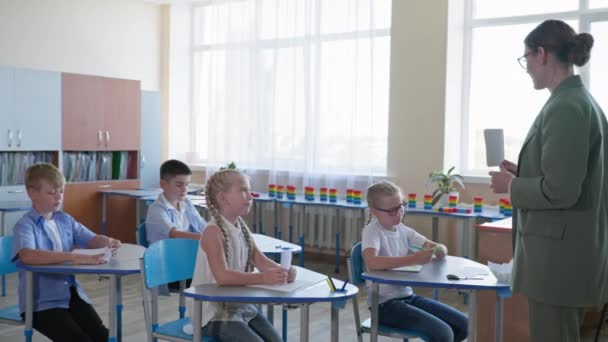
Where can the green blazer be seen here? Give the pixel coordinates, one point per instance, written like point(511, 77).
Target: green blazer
point(560, 194)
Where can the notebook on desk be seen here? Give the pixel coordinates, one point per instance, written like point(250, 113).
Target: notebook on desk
point(304, 278)
point(411, 268)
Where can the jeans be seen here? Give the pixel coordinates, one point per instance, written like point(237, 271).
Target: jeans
point(257, 330)
point(439, 322)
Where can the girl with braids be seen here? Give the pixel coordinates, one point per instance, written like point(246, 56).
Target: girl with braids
point(227, 256)
point(386, 242)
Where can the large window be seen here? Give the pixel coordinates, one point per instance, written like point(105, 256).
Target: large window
point(292, 85)
point(497, 92)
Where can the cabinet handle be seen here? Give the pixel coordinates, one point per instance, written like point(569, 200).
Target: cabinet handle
point(142, 162)
point(18, 138)
point(99, 137)
point(105, 186)
point(10, 138)
point(107, 138)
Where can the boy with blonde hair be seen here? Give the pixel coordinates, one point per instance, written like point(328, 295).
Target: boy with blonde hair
point(44, 236)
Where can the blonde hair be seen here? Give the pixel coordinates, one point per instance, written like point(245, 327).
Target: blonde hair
point(35, 174)
point(222, 181)
point(383, 188)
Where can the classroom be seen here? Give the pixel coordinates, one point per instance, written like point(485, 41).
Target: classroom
point(305, 134)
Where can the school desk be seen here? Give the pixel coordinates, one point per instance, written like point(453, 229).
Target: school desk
point(125, 262)
point(314, 293)
point(434, 275)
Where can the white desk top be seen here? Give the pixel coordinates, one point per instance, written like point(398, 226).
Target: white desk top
point(270, 245)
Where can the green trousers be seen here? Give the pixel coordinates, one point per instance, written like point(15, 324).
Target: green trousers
point(554, 323)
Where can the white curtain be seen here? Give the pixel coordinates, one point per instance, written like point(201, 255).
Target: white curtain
point(293, 91)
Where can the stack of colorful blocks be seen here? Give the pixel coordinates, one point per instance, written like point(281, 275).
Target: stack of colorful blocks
point(272, 190)
point(291, 192)
point(508, 209)
point(323, 194)
point(309, 193)
point(452, 201)
point(280, 191)
point(349, 195)
point(411, 200)
point(357, 196)
point(477, 204)
point(428, 202)
point(502, 204)
point(454, 210)
point(333, 195)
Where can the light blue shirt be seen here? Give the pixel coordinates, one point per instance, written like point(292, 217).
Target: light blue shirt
point(50, 290)
point(162, 217)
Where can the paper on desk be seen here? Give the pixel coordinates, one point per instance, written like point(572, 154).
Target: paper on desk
point(411, 268)
point(106, 251)
point(303, 279)
point(502, 272)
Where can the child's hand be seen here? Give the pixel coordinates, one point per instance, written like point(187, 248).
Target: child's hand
point(291, 275)
point(114, 245)
point(440, 251)
point(83, 259)
point(423, 257)
point(275, 276)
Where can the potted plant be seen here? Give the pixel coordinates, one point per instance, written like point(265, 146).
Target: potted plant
point(230, 166)
point(446, 184)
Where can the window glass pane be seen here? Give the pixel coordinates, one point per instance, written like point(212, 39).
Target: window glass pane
point(509, 8)
point(501, 93)
point(352, 15)
point(598, 66)
point(285, 18)
point(223, 22)
point(598, 3)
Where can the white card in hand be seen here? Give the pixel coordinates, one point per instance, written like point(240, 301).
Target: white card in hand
point(106, 251)
point(495, 146)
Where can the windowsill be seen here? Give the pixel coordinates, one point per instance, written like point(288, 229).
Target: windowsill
point(476, 178)
point(203, 167)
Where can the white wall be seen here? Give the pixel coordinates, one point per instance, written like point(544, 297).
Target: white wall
point(114, 38)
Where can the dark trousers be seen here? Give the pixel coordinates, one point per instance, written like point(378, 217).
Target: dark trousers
point(80, 322)
point(174, 286)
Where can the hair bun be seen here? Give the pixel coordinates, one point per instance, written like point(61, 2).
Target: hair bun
point(581, 51)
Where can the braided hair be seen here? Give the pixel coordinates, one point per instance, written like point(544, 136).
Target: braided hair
point(222, 181)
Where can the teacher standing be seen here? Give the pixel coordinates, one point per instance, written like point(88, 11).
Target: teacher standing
point(559, 189)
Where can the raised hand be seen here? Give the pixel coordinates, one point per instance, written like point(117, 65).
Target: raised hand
point(507, 166)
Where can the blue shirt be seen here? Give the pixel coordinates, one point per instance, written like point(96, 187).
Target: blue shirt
point(50, 290)
point(162, 217)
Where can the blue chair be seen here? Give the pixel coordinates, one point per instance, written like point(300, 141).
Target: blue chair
point(163, 262)
point(8, 315)
point(355, 268)
point(141, 236)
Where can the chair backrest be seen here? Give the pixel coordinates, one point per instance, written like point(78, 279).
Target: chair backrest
point(169, 260)
point(142, 236)
point(6, 249)
point(356, 266)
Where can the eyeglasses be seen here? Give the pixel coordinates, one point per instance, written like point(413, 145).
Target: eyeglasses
point(523, 60)
point(393, 211)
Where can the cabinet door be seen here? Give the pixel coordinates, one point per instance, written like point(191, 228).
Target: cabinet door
point(7, 109)
point(122, 114)
point(84, 202)
point(38, 110)
point(150, 139)
point(82, 112)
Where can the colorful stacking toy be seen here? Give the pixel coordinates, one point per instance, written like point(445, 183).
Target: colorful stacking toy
point(411, 200)
point(349, 195)
point(508, 209)
point(272, 190)
point(357, 196)
point(452, 201)
point(478, 204)
point(309, 193)
point(280, 190)
point(323, 194)
point(428, 202)
point(333, 195)
point(502, 205)
point(291, 192)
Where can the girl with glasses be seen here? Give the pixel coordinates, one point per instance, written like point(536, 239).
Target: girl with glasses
point(386, 244)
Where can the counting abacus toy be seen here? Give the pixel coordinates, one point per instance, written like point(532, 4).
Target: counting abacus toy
point(411, 200)
point(272, 190)
point(508, 208)
point(309, 193)
point(428, 202)
point(349, 195)
point(452, 201)
point(280, 191)
point(357, 196)
point(323, 194)
point(291, 192)
point(333, 195)
point(477, 204)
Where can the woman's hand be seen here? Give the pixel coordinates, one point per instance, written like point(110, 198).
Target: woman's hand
point(507, 166)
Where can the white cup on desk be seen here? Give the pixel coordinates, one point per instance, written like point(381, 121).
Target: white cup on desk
point(286, 258)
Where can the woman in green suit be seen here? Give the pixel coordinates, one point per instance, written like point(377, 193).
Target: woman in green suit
point(559, 188)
